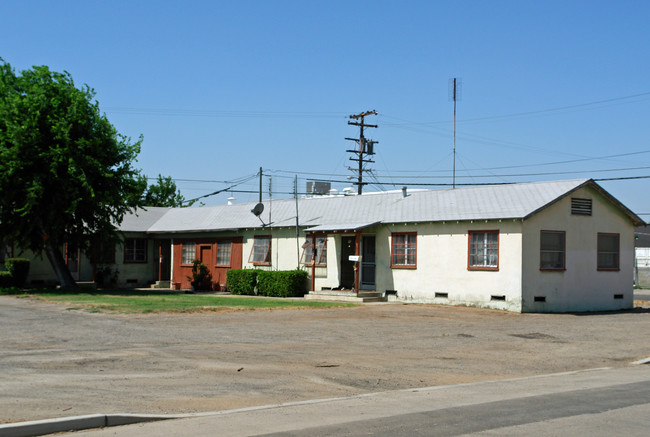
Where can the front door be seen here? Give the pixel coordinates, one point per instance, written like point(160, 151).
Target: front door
point(367, 262)
point(347, 266)
point(163, 266)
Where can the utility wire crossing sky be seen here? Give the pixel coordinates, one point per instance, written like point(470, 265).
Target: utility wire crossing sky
point(550, 90)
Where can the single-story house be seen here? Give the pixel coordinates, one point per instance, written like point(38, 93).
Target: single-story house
point(560, 246)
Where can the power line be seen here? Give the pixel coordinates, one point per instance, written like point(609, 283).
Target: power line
point(222, 113)
point(526, 113)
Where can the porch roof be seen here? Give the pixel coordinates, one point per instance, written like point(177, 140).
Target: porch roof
point(341, 227)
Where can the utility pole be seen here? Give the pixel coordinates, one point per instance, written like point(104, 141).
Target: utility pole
point(365, 147)
point(260, 184)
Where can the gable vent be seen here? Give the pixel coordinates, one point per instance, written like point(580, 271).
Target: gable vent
point(580, 206)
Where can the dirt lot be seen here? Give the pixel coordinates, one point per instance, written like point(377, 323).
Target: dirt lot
point(56, 361)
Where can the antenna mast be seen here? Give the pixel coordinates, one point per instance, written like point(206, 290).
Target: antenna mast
point(365, 147)
point(454, 94)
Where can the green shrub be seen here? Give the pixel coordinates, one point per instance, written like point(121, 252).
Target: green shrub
point(19, 269)
point(201, 278)
point(6, 280)
point(242, 281)
point(289, 283)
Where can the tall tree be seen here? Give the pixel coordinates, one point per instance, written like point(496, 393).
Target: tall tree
point(165, 193)
point(66, 174)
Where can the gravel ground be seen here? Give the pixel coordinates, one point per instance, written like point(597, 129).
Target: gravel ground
point(57, 361)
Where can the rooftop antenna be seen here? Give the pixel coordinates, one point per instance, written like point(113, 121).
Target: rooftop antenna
point(257, 212)
point(455, 88)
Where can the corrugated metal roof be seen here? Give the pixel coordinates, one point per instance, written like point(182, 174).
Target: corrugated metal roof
point(513, 201)
point(341, 227)
point(142, 219)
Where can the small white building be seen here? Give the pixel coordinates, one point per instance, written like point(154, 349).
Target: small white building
point(563, 246)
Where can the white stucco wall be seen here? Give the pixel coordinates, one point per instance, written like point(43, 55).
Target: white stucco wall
point(442, 266)
point(580, 287)
point(442, 258)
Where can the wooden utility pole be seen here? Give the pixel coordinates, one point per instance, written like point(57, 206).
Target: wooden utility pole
point(365, 147)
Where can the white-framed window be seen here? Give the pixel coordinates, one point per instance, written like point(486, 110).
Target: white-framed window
point(403, 250)
point(609, 252)
point(321, 252)
point(135, 250)
point(189, 252)
point(261, 250)
point(223, 252)
point(483, 250)
point(552, 250)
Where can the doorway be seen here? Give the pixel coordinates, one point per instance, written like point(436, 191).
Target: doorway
point(368, 262)
point(162, 269)
point(347, 266)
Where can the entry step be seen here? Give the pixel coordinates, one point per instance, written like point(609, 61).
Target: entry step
point(346, 296)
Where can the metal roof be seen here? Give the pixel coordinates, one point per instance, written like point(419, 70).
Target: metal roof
point(142, 219)
point(512, 201)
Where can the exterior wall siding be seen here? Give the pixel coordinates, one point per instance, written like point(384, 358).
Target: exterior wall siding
point(580, 287)
point(442, 266)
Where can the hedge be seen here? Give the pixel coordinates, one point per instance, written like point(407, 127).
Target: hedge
point(291, 283)
point(242, 281)
point(6, 280)
point(18, 268)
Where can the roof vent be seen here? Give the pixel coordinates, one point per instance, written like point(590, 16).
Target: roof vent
point(231, 201)
point(348, 190)
point(580, 206)
point(404, 194)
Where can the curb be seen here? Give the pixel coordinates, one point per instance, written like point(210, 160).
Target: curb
point(76, 423)
point(642, 361)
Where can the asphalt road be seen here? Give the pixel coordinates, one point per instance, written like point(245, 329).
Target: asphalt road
point(642, 294)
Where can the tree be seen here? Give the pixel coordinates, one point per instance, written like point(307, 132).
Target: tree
point(66, 175)
point(165, 193)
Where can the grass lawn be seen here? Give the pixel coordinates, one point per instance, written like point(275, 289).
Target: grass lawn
point(140, 302)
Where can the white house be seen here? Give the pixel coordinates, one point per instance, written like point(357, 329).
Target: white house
point(560, 246)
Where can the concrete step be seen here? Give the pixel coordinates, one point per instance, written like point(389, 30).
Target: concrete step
point(346, 296)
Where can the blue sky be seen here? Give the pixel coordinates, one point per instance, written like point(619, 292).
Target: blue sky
point(550, 89)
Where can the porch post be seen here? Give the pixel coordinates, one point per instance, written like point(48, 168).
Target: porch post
point(357, 245)
point(160, 260)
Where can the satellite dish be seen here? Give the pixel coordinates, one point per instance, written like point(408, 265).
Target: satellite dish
point(258, 209)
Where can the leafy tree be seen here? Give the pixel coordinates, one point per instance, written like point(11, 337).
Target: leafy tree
point(66, 174)
point(165, 193)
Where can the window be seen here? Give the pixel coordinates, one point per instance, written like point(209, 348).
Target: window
point(321, 252)
point(261, 251)
point(552, 250)
point(608, 252)
point(403, 251)
point(483, 250)
point(580, 206)
point(105, 253)
point(189, 252)
point(223, 252)
point(135, 250)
